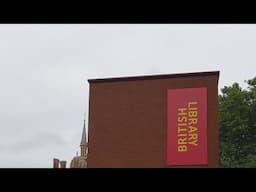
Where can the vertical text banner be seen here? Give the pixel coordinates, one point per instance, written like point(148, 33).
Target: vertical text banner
point(187, 126)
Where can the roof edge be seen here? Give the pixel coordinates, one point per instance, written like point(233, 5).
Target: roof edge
point(152, 77)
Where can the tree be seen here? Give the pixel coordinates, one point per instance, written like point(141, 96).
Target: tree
point(237, 120)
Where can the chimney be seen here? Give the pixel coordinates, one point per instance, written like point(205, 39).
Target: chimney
point(56, 163)
point(63, 164)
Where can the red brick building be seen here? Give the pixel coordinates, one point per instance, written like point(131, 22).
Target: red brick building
point(128, 119)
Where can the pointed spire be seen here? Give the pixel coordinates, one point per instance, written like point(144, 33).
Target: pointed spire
point(83, 140)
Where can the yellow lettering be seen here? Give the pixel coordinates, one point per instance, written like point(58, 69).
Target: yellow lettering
point(182, 111)
point(192, 136)
point(193, 142)
point(187, 126)
point(192, 113)
point(182, 119)
point(192, 121)
point(181, 130)
point(182, 141)
point(191, 105)
point(182, 135)
point(192, 129)
point(182, 148)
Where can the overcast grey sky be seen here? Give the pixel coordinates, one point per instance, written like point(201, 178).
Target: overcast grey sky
point(44, 71)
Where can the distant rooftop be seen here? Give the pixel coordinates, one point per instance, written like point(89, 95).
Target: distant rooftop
point(152, 77)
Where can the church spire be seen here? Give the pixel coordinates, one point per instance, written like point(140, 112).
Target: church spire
point(83, 140)
point(83, 144)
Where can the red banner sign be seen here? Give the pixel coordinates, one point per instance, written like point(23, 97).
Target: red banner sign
point(187, 126)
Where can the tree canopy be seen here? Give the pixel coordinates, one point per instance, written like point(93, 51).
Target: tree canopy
point(237, 125)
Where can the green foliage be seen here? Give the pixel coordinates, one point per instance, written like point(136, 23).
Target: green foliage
point(237, 121)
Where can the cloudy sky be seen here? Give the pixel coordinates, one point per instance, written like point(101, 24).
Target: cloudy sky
point(44, 71)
